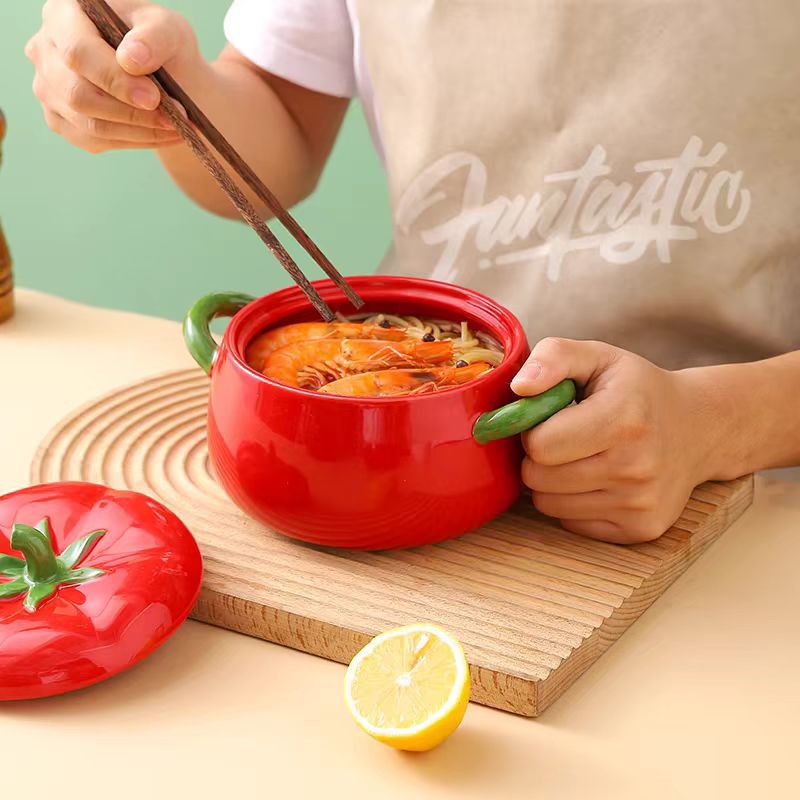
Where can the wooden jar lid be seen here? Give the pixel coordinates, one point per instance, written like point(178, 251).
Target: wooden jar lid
point(6, 280)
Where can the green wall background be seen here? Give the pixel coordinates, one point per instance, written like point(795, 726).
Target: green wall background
point(112, 230)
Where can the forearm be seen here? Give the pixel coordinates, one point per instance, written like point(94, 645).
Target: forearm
point(752, 413)
point(253, 116)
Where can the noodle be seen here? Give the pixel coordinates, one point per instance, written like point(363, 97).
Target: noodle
point(471, 346)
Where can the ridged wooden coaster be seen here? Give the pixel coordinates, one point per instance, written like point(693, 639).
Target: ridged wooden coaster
point(533, 606)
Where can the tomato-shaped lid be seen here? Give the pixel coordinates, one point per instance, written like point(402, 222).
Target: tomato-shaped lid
point(92, 580)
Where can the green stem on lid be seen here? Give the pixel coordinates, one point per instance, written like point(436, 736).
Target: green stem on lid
point(41, 565)
point(40, 573)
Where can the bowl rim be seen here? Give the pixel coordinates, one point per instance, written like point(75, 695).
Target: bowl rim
point(291, 301)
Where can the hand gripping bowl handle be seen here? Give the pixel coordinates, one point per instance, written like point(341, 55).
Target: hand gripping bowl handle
point(196, 330)
point(523, 414)
point(509, 420)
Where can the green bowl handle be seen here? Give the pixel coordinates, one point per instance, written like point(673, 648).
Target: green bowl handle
point(523, 414)
point(196, 331)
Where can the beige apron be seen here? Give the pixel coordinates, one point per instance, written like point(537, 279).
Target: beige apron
point(622, 170)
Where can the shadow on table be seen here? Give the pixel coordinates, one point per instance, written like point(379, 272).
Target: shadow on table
point(175, 663)
point(464, 758)
point(527, 759)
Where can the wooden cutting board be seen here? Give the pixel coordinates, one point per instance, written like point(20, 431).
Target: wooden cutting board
point(533, 606)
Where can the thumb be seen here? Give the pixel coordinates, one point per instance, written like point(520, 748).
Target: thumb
point(554, 360)
point(157, 36)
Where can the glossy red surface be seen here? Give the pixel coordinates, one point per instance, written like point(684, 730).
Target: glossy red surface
point(371, 473)
point(87, 633)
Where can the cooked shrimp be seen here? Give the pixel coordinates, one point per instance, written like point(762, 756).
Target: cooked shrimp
point(404, 381)
point(312, 364)
point(260, 348)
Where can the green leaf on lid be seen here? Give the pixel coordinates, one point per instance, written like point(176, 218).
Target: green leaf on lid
point(10, 566)
point(37, 593)
point(13, 588)
point(82, 575)
point(79, 548)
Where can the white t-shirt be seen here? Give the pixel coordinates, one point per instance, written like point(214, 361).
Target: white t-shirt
point(313, 43)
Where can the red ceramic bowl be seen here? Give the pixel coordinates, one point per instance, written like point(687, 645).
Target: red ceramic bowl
point(354, 472)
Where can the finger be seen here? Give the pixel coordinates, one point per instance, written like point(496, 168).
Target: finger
point(86, 107)
point(553, 360)
point(32, 48)
point(87, 100)
point(78, 95)
point(585, 475)
point(84, 52)
point(80, 138)
point(155, 38)
point(120, 132)
point(56, 122)
point(587, 505)
point(612, 532)
point(574, 433)
point(95, 61)
point(600, 529)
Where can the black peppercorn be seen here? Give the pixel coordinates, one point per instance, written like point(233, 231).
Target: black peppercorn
point(384, 323)
point(462, 363)
point(428, 337)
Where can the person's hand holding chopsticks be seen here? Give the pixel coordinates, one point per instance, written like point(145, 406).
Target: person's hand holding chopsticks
point(95, 98)
point(137, 45)
point(100, 100)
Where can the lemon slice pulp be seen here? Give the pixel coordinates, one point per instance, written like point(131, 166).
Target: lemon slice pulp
point(409, 687)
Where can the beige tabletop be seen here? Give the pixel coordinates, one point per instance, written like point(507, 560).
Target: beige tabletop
point(700, 699)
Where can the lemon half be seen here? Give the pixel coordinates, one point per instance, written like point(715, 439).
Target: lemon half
point(409, 687)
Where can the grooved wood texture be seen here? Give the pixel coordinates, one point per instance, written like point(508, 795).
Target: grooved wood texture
point(534, 606)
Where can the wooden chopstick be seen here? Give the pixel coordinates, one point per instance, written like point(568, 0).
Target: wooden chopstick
point(113, 29)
